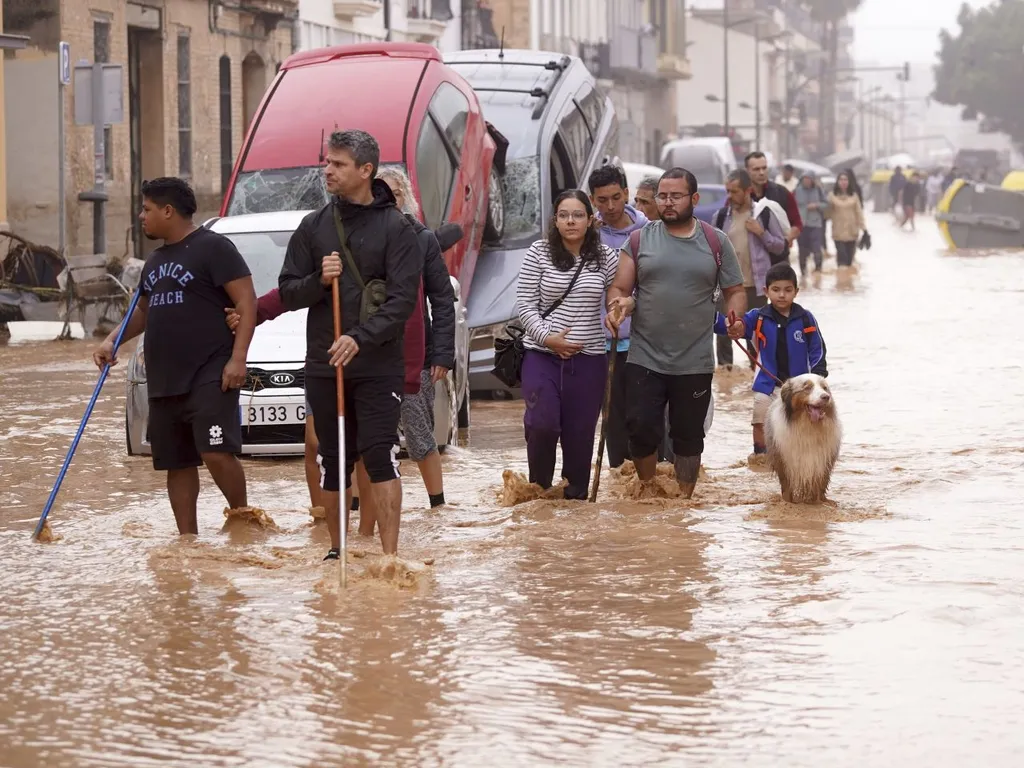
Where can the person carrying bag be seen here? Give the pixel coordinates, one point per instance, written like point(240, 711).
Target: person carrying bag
point(564, 364)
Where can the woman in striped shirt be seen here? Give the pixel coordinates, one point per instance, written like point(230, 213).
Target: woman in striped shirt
point(561, 291)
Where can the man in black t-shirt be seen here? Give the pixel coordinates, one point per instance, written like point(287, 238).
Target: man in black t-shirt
point(195, 366)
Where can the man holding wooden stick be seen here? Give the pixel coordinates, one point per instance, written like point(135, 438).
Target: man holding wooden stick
point(363, 241)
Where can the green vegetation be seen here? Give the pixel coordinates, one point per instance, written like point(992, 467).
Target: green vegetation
point(982, 68)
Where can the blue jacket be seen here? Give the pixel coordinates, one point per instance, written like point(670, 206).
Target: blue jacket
point(804, 343)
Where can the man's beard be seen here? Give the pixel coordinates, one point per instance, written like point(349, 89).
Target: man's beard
point(678, 217)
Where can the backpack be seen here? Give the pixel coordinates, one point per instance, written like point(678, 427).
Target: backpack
point(765, 219)
point(710, 233)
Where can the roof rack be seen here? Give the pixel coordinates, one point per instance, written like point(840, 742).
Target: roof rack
point(558, 66)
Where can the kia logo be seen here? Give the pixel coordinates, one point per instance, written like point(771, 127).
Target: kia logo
point(282, 379)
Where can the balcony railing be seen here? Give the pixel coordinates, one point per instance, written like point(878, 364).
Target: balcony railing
point(435, 10)
point(426, 20)
point(632, 52)
point(478, 27)
point(352, 9)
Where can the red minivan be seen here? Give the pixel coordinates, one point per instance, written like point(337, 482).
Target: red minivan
point(425, 117)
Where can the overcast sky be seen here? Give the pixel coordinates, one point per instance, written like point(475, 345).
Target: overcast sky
point(893, 31)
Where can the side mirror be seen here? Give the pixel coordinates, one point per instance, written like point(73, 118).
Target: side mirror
point(448, 235)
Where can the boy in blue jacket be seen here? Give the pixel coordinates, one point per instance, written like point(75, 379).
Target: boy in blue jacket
point(787, 338)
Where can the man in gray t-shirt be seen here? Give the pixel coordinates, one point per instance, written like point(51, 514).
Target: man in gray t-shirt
point(669, 289)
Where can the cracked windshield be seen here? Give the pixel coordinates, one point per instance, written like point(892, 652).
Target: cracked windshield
point(524, 384)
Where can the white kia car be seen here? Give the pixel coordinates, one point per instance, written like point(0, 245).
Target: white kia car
point(273, 403)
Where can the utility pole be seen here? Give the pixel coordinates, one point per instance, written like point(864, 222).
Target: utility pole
point(788, 106)
point(871, 137)
point(725, 61)
point(757, 84)
point(903, 111)
point(863, 106)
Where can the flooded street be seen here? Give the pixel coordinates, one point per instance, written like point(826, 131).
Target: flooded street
point(730, 630)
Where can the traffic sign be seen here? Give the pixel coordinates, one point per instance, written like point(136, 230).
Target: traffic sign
point(65, 63)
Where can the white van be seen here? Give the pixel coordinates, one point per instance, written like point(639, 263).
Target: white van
point(710, 158)
point(637, 172)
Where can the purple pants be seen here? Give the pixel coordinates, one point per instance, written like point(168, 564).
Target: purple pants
point(563, 402)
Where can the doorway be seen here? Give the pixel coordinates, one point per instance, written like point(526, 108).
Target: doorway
point(146, 121)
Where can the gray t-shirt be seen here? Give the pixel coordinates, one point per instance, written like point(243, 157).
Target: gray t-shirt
point(676, 277)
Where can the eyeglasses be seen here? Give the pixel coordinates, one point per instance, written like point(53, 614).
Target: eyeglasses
point(574, 215)
point(675, 197)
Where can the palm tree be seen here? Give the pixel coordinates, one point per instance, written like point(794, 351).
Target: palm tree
point(829, 13)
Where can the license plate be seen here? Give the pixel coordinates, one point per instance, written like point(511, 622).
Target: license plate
point(263, 414)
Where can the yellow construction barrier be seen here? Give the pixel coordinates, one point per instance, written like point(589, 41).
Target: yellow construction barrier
point(1014, 180)
point(943, 208)
point(974, 215)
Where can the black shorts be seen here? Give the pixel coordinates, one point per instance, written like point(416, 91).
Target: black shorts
point(184, 427)
point(373, 408)
point(687, 398)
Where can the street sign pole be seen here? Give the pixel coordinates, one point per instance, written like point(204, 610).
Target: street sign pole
point(99, 103)
point(99, 235)
point(63, 80)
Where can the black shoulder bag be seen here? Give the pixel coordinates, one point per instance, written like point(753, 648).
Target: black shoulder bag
point(508, 353)
point(375, 291)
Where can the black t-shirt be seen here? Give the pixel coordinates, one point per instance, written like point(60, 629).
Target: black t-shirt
point(187, 339)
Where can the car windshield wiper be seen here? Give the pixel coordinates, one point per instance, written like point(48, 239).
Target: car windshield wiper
point(537, 93)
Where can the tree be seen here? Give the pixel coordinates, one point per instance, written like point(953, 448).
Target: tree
point(982, 68)
point(829, 13)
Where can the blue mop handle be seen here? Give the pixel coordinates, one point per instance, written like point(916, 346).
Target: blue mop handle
point(85, 418)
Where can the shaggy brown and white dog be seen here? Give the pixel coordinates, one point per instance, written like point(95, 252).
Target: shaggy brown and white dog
point(803, 434)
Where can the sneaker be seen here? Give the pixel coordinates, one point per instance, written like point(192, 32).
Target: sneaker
point(333, 554)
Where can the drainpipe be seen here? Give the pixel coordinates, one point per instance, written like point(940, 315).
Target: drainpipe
point(387, 21)
point(534, 25)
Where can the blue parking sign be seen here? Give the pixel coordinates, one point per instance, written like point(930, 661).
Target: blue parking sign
point(65, 63)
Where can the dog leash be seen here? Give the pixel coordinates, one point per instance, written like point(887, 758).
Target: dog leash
point(752, 358)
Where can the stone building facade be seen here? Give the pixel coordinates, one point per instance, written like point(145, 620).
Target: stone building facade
point(194, 73)
point(636, 49)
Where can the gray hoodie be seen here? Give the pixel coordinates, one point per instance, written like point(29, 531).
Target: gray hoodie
point(806, 195)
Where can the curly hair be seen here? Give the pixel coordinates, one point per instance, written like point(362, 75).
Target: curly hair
point(590, 251)
point(393, 173)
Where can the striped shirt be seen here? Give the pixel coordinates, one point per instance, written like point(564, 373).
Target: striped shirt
point(541, 285)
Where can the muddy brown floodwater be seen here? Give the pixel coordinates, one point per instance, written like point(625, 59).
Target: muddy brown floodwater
point(731, 631)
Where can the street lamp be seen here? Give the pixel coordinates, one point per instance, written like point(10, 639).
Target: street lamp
point(726, 26)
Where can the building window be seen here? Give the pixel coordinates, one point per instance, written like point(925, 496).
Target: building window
point(184, 108)
point(226, 158)
point(108, 151)
point(434, 173)
point(101, 55)
point(101, 41)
